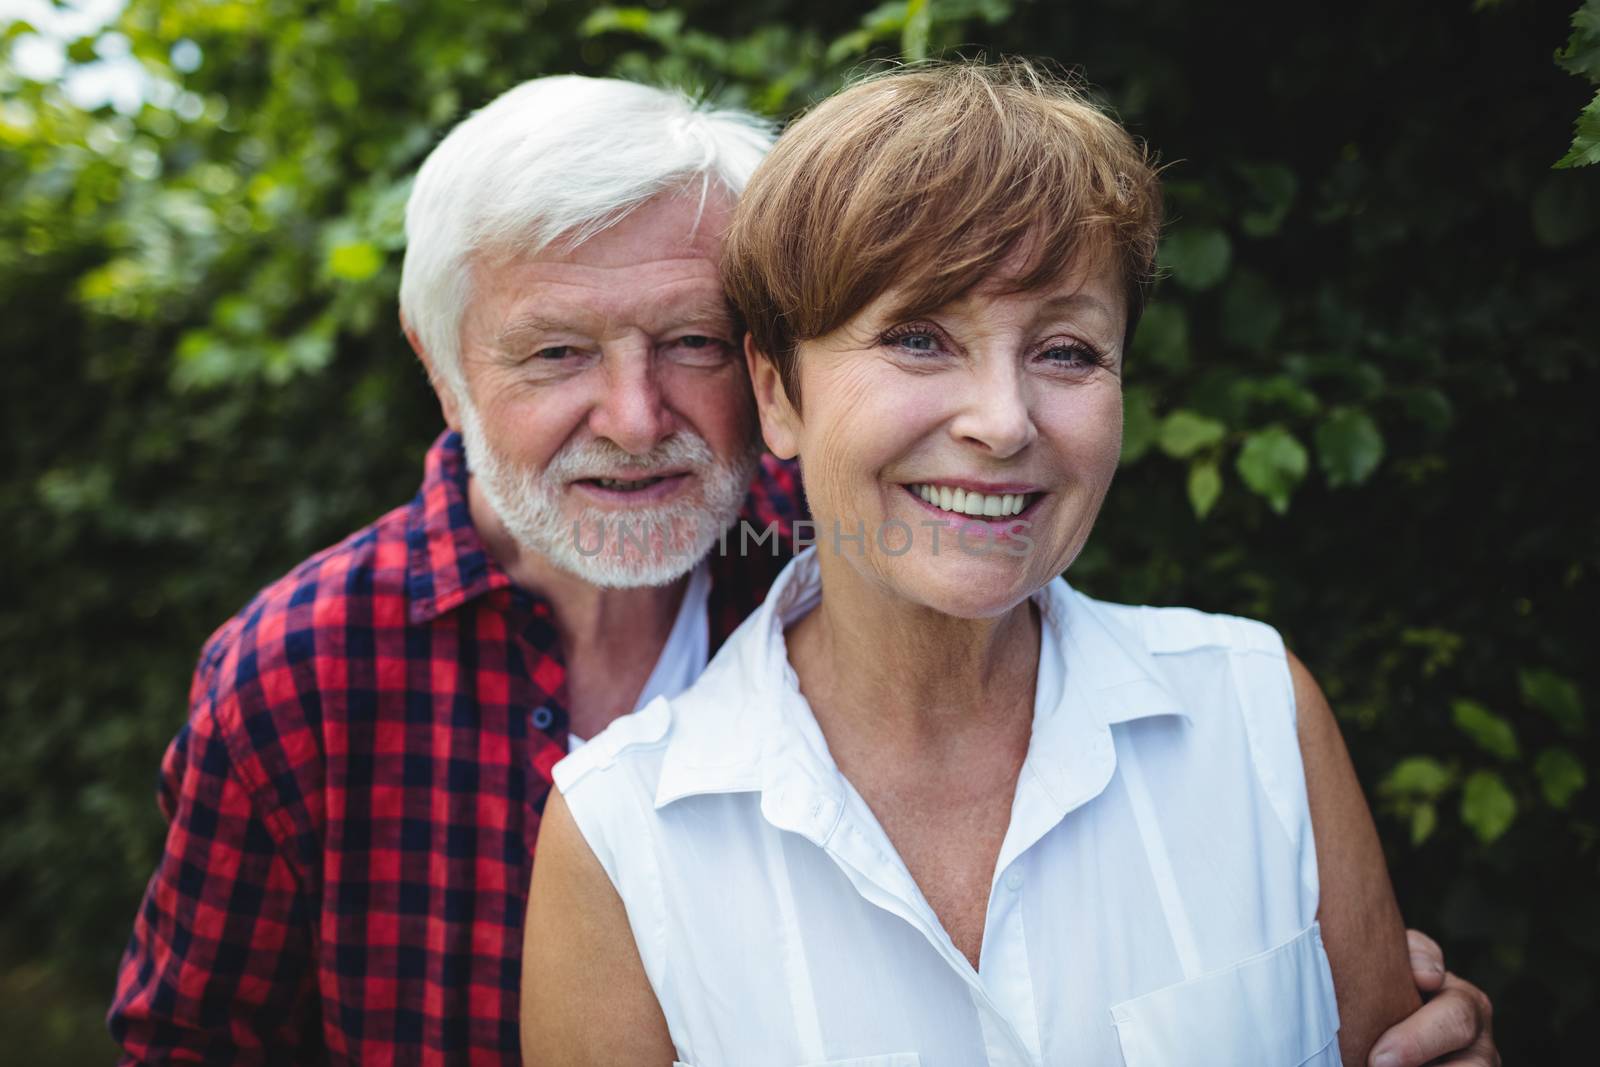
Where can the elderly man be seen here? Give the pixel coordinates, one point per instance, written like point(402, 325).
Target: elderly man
point(355, 796)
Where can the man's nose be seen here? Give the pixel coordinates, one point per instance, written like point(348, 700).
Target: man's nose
point(995, 413)
point(632, 413)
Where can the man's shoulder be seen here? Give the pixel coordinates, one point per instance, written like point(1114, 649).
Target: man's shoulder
point(271, 654)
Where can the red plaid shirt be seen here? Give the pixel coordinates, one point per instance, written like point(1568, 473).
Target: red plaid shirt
point(353, 802)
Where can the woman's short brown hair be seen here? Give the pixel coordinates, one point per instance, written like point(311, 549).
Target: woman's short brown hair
point(925, 179)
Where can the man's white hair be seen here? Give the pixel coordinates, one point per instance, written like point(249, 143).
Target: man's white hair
point(554, 158)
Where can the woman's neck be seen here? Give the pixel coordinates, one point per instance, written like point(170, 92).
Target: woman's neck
point(895, 676)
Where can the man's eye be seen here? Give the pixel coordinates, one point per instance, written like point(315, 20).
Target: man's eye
point(554, 352)
point(699, 349)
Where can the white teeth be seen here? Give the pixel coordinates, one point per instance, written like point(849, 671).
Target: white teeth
point(964, 502)
point(617, 483)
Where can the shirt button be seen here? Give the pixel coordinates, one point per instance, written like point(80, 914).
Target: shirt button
point(1014, 880)
point(543, 717)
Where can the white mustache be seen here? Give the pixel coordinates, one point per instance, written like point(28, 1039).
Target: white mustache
point(600, 458)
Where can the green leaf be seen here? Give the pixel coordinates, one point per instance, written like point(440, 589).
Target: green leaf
point(914, 38)
point(1272, 462)
point(354, 261)
point(81, 51)
point(1273, 189)
point(1164, 336)
point(1198, 258)
point(1487, 806)
point(642, 22)
point(1421, 776)
point(1183, 433)
point(1139, 423)
point(1581, 56)
point(1424, 817)
point(1430, 408)
point(1251, 312)
point(1205, 486)
point(1349, 447)
point(1585, 148)
point(1554, 695)
point(1561, 775)
point(1491, 733)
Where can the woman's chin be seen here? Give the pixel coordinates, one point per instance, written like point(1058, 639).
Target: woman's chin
point(966, 588)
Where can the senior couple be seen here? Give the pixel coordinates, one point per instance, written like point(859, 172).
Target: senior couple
point(892, 801)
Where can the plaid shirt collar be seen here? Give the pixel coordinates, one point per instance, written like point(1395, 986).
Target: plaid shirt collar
point(447, 563)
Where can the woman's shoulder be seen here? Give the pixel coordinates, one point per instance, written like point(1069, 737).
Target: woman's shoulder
point(632, 742)
point(1167, 631)
point(1207, 661)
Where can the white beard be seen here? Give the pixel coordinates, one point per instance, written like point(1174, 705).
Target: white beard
point(614, 548)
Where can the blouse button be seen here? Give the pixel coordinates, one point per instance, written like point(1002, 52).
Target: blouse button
point(1014, 880)
point(543, 717)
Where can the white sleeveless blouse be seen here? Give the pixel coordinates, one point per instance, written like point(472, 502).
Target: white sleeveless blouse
point(1153, 904)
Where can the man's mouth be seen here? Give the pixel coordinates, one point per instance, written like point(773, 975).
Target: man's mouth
point(645, 489)
point(624, 485)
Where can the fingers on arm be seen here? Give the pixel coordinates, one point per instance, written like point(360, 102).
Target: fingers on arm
point(585, 996)
point(1427, 961)
point(1361, 924)
point(1457, 1022)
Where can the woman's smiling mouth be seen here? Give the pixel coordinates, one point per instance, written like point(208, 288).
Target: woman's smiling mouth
point(971, 503)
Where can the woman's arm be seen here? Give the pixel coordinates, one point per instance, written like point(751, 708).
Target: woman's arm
point(585, 996)
point(1361, 927)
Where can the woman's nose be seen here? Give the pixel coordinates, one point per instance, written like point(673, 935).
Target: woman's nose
point(632, 413)
point(995, 415)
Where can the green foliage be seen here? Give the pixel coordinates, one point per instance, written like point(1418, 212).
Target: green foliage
point(1581, 56)
point(1349, 447)
point(1358, 407)
point(1491, 733)
point(1272, 463)
point(1487, 805)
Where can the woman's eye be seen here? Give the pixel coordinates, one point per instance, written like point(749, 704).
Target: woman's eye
point(916, 342)
point(1072, 355)
point(695, 340)
point(553, 353)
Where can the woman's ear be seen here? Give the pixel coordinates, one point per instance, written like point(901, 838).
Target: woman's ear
point(780, 422)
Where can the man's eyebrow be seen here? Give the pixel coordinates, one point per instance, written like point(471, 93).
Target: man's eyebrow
point(523, 326)
point(719, 311)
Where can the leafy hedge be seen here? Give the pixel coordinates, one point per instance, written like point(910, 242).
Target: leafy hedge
point(1360, 407)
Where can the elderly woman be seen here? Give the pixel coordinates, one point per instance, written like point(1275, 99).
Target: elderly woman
point(929, 805)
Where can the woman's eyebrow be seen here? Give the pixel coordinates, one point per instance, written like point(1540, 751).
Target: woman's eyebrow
point(1080, 301)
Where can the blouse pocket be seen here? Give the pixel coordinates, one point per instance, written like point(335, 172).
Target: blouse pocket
point(1275, 1009)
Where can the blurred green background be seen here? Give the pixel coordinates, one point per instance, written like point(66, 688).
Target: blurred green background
point(1360, 408)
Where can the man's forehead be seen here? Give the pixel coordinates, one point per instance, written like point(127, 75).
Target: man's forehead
point(671, 226)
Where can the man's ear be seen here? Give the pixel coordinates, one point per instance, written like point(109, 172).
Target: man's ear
point(448, 402)
point(780, 422)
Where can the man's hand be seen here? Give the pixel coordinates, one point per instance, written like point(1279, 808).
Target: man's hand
point(1451, 1030)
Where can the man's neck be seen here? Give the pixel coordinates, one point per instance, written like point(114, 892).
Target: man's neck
point(610, 638)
